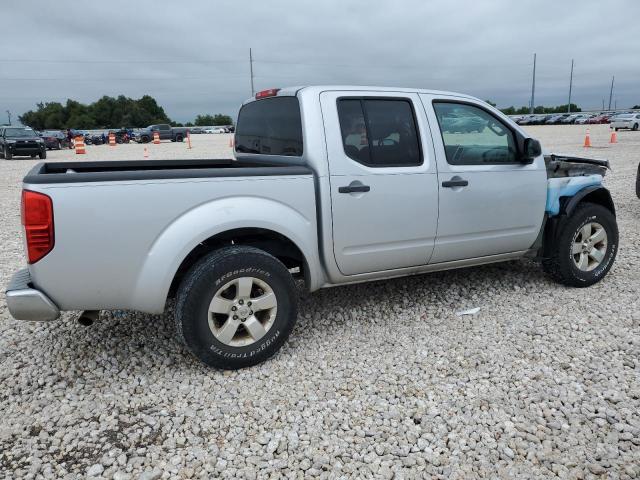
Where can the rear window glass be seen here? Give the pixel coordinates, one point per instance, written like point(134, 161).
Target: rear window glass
point(270, 127)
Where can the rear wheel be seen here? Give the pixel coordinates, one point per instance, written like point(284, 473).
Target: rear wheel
point(179, 138)
point(585, 247)
point(7, 154)
point(635, 127)
point(42, 155)
point(236, 307)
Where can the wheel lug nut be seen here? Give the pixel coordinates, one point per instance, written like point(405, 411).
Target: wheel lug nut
point(249, 304)
point(240, 301)
point(235, 317)
point(234, 308)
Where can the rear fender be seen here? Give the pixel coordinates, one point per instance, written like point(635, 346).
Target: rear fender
point(181, 236)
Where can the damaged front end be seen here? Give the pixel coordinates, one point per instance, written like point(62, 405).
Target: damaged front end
point(570, 180)
point(566, 176)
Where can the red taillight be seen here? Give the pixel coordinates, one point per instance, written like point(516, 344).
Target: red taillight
point(272, 92)
point(37, 218)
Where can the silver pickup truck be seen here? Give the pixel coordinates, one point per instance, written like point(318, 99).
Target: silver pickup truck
point(330, 185)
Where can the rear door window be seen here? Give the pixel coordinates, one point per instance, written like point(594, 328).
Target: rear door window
point(379, 132)
point(271, 126)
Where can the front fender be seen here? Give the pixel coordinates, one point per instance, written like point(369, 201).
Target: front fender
point(595, 194)
point(195, 226)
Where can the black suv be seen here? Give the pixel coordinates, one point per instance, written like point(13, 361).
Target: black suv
point(21, 141)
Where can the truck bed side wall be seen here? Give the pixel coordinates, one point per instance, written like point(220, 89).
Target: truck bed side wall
point(119, 244)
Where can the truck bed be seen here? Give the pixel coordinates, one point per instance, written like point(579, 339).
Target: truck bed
point(102, 171)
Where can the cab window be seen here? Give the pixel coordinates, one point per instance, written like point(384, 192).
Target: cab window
point(379, 132)
point(473, 136)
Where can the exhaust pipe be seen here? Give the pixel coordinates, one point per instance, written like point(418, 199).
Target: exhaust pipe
point(87, 317)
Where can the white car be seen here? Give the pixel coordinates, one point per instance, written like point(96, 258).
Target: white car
point(215, 130)
point(626, 120)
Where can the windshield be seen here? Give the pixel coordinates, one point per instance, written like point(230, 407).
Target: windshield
point(19, 132)
point(624, 116)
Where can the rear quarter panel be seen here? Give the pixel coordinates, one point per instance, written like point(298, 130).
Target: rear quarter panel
point(119, 244)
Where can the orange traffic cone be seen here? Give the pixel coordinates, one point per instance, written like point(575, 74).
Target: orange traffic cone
point(112, 139)
point(231, 142)
point(156, 138)
point(79, 144)
point(587, 140)
point(189, 140)
point(146, 152)
point(614, 137)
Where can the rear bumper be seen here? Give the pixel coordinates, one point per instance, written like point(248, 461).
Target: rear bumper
point(27, 303)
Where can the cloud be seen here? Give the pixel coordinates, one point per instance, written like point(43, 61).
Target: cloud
point(193, 56)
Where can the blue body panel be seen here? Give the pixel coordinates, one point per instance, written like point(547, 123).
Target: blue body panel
point(567, 187)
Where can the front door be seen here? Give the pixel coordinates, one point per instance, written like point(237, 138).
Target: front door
point(490, 202)
point(384, 193)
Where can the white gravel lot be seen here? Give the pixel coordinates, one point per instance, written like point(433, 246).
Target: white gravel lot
point(378, 380)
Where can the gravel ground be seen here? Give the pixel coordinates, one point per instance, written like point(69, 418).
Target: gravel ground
point(378, 380)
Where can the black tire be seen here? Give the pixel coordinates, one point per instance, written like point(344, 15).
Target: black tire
point(638, 182)
point(59, 147)
point(179, 138)
point(7, 154)
point(617, 129)
point(561, 266)
point(203, 281)
point(42, 155)
point(635, 127)
point(33, 155)
point(144, 139)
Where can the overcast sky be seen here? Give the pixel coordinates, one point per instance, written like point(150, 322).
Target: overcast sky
point(193, 56)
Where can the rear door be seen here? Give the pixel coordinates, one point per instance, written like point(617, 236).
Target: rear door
point(165, 132)
point(384, 192)
point(490, 202)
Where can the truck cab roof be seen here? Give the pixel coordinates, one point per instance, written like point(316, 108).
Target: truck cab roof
point(317, 89)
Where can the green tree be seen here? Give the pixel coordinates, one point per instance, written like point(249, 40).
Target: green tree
point(107, 112)
point(217, 119)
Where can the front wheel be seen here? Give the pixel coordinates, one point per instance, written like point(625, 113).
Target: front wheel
point(7, 154)
point(236, 307)
point(635, 127)
point(179, 138)
point(42, 155)
point(585, 247)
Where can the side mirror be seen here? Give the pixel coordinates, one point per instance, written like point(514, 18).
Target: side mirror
point(532, 150)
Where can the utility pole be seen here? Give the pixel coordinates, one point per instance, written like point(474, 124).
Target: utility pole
point(533, 84)
point(9, 115)
point(615, 104)
point(251, 71)
point(603, 104)
point(611, 91)
point(570, 85)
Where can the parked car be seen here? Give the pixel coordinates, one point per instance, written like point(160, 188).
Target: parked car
point(95, 139)
point(21, 142)
point(556, 119)
point(215, 130)
point(569, 119)
point(526, 120)
point(582, 119)
point(54, 139)
point(166, 132)
point(334, 205)
point(629, 121)
point(598, 118)
point(196, 130)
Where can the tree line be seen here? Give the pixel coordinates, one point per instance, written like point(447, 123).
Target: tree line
point(108, 112)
